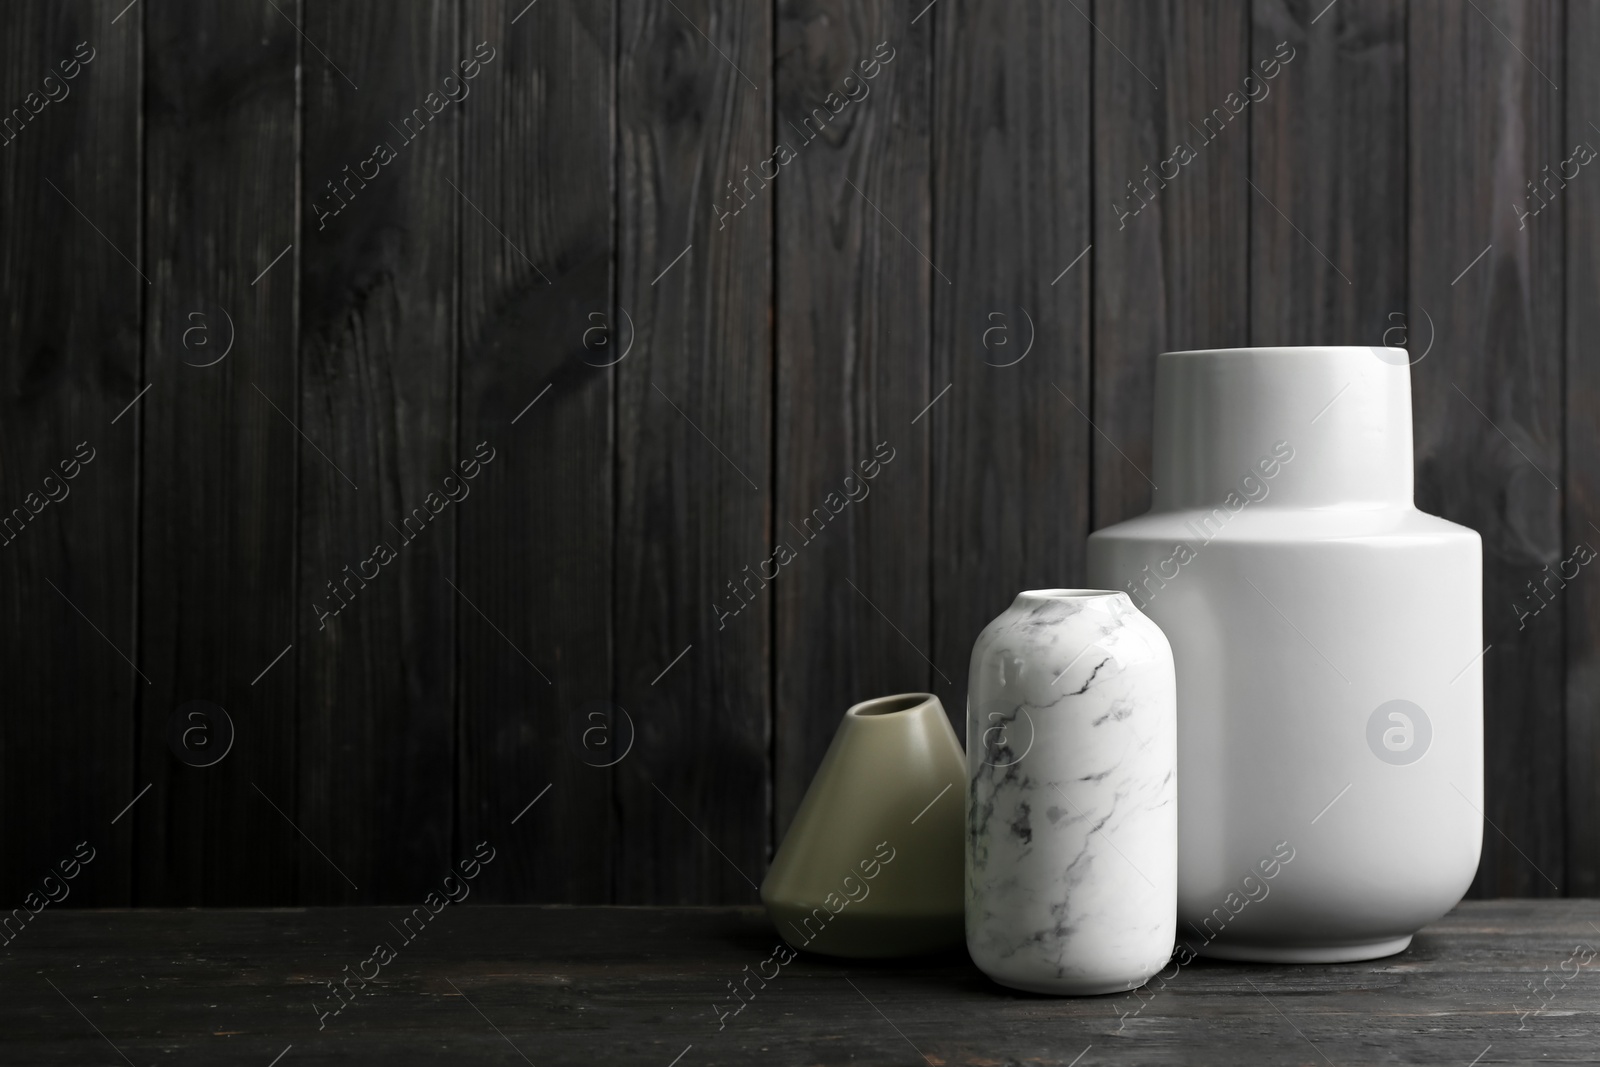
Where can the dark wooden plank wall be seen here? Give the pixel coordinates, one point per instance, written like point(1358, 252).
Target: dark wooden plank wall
point(1581, 460)
point(680, 293)
point(1487, 400)
point(216, 532)
point(694, 450)
point(537, 314)
point(853, 318)
point(70, 213)
point(1011, 144)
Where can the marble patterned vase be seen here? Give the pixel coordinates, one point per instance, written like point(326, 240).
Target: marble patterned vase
point(1071, 807)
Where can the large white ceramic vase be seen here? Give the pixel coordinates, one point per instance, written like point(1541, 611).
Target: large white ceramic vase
point(1328, 642)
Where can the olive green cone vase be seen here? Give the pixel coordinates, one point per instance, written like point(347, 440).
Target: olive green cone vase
point(872, 864)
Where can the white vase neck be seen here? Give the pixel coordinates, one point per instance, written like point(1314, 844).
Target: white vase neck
point(1283, 427)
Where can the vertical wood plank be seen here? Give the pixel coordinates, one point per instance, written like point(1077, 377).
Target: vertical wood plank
point(378, 403)
point(219, 462)
point(536, 534)
point(1011, 215)
point(853, 306)
point(1171, 258)
point(1582, 595)
point(694, 443)
point(72, 337)
point(1328, 138)
point(1485, 118)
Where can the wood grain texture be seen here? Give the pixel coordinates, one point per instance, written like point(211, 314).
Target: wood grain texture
point(1328, 152)
point(853, 314)
point(611, 182)
point(1485, 118)
point(1581, 596)
point(642, 986)
point(1171, 257)
point(694, 452)
point(218, 527)
point(536, 533)
point(72, 346)
point(376, 788)
point(1011, 184)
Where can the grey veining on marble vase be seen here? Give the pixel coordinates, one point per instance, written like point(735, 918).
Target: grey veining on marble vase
point(1071, 801)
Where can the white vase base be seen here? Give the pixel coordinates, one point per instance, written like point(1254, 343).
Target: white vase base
point(1340, 953)
point(1067, 988)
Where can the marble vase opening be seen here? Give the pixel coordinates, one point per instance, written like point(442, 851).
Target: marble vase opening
point(1065, 594)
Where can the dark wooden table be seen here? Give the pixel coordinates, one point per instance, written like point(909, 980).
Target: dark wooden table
point(560, 985)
